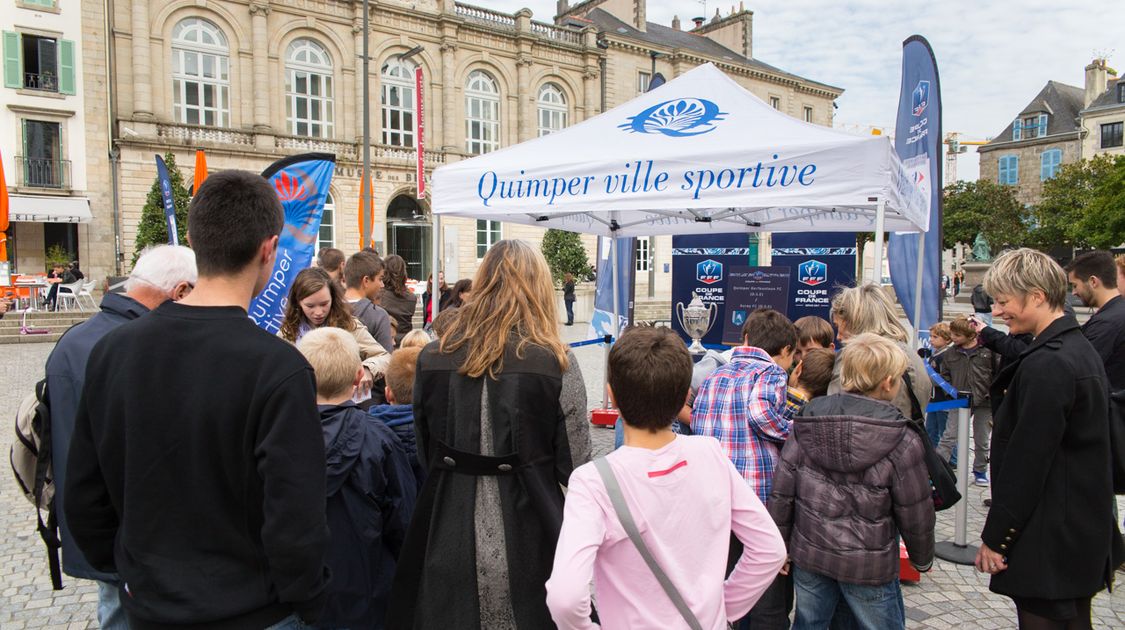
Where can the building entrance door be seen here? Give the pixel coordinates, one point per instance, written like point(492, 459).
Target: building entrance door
point(409, 235)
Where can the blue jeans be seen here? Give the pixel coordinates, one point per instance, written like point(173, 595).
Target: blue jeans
point(935, 428)
point(569, 311)
point(873, 607)
point(111, 616)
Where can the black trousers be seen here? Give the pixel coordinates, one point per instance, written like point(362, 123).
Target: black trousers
point(772, 610)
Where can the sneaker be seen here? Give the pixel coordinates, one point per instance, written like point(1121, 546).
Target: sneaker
point(981, 479)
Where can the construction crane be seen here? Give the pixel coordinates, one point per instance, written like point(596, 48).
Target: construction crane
point(957, 146)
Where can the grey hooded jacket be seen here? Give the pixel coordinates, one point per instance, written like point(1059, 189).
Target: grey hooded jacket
point(851, 480)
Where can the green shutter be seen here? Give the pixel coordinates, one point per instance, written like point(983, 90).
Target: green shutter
point(12, 62)
point(66, 66)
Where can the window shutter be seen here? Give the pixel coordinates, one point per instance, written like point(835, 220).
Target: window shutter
point(12, 66)
point(1016, 129)
point(1014, 169)
point(66, 66)
point(1042, 125)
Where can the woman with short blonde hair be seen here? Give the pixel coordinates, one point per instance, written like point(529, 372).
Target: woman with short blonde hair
point(868, 309)
point(500, 416)
point(1050, 540)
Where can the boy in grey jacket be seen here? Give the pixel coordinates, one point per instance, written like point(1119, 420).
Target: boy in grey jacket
point(850, 482)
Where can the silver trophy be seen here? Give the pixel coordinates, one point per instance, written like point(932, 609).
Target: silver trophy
point(696, 320)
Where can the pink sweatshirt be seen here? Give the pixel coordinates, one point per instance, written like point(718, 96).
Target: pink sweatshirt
point(686, 498)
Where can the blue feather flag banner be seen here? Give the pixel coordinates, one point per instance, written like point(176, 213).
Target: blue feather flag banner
point(918, 143)
point(301, 182)
point(169, 202)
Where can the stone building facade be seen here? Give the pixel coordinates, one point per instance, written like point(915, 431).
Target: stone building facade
point(253, 81)
point(1104, 114)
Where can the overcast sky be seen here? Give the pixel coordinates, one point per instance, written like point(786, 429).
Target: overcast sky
point(993, 55)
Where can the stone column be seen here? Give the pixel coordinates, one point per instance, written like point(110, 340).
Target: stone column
point(524, 110)
point(142, 62)
point(449, 126)
point(260, 34)
point(590, 92)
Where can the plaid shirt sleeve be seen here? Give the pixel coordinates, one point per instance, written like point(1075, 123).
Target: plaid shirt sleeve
point(769, 412)
point(794, 402)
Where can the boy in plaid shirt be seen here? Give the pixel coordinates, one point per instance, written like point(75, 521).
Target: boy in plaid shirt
point(743, 405)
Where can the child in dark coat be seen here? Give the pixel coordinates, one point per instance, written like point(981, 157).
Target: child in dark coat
point(398, 413)
point(371, 487)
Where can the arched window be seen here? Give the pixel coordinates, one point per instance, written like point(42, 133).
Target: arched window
point(308, 89)
point(200, 74)
point(327, 236)
point(552, 109)
point(482, 114)
point(398, 103)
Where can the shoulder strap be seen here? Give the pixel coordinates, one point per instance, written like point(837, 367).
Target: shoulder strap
point(626, 518)
point(915, 407)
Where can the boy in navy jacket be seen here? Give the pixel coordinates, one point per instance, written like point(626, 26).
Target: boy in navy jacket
point(398, 413)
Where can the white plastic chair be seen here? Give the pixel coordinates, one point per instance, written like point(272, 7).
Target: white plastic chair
point(68, 293)
point(87, 292)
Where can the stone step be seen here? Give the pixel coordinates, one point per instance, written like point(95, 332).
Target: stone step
point(8, 338)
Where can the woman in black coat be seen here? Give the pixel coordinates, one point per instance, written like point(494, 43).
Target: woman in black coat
point(1050, 540)
point(500, 417)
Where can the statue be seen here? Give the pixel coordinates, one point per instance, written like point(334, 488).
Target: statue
point(981, 251)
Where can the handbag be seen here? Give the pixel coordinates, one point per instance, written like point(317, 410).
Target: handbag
point(943, 480)
point(630, 526)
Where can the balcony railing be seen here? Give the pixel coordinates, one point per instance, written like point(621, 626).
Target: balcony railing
point(342, 150)
point(46, 82)
point(555, 33)
point(486, 16)
point(43, 173)
point(192, 134)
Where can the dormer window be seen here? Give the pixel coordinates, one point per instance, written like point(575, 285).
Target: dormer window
point(1029, 127)
point(1121, 91)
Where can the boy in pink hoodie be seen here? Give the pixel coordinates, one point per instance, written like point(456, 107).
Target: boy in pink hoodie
point(672, 484)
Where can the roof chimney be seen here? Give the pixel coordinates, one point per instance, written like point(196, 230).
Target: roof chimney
point(1096, 76)
point(698, 21)
point(717, 17)
point(676, 22)
point(562, 6)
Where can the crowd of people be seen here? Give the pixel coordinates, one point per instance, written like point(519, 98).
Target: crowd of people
point(351, 472)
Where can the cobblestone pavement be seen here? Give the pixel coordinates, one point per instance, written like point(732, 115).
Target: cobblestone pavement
point(950, 595)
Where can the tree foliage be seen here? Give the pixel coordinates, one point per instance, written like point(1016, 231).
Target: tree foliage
point(1083, 205)
point(565, 254)
point(987, 208)
point(152, 229)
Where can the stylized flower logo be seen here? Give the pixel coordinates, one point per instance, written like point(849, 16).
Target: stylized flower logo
point(677, 118)
point(290, 187)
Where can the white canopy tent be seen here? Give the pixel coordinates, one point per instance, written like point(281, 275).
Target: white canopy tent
point(698, 155)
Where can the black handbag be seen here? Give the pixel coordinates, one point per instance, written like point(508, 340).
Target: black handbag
point(943, 481)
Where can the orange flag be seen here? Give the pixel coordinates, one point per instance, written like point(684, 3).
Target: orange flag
point(3, 214)
point(200, 170)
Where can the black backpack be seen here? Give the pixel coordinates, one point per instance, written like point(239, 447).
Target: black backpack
point(30, 458)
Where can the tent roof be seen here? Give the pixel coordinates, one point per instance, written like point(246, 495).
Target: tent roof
point(699, 154)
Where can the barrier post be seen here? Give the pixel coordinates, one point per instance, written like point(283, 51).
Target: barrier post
point(959, 551)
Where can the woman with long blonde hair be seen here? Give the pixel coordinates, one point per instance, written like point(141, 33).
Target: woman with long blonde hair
point(500, 416)
point(869, 309)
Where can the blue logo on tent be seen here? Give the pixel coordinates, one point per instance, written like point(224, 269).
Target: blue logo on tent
point(812, 273)
point(709, 271)
point(738, 318)
point(920, 98)
point(678, 118)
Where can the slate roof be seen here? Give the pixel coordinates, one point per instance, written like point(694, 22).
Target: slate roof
point(1061, 101)
point(664, 36)
point(1109, 97)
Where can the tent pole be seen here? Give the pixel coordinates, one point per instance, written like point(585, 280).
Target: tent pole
point(435, 260)
point(880, 224)
point(918, 290)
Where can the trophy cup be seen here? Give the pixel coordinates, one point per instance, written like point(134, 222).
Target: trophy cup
point(696, 320)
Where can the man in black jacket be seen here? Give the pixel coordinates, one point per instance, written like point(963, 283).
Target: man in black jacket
point(1093, 276)
point(197, 467)
point(164, 272)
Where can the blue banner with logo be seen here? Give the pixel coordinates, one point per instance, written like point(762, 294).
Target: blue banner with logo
point(821, 264)
point(601, 322)
point(700, 267)
point(169, 202)
point(918, 144)
point(301, 182)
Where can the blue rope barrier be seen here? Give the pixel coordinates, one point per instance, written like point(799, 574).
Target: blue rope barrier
point(592, 342)
point(947, 404)
point(939, 381)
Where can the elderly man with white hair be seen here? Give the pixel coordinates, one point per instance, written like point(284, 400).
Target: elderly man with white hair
point(164, 272)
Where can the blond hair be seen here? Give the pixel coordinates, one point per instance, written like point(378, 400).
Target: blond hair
point(334, 356)
point(941, 329)
point(513, 301)
point(868, 309)
point(415, 339)
point(1019, 272)
point(400, 374)
point(867, 360)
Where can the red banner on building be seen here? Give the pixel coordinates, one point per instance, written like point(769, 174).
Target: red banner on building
point(419, 141)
